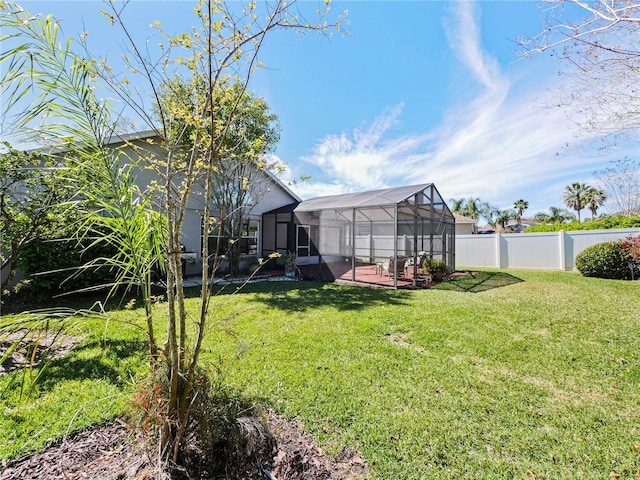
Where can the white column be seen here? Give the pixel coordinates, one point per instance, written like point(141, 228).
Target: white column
point(563, 253)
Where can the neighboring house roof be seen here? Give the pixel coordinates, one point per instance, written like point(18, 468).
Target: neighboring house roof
point(463, 219)
point(372, 198)
point(523, 221)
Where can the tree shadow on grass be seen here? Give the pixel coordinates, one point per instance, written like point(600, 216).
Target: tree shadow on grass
point(306, 295)
point(476, 282)
point(101, 364)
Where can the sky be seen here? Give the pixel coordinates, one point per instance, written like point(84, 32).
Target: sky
point(417, 92)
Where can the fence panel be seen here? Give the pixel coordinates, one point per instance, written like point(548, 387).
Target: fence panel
point(544, 251)
point(476, 250)
point(533, 250)
point(581, 239)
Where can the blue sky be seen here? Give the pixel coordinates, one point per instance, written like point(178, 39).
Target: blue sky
point(419, 91)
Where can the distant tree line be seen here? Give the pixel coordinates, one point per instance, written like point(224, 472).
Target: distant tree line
point(621, 193)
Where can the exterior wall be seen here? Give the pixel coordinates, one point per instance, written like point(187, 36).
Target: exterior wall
point(267, 192)
point(17, 277)
point(464, 228)
point(543, 251)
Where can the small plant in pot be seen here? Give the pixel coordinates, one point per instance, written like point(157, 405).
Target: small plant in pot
point(434, 268)
point(289, 260)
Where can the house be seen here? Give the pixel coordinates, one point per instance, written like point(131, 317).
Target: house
point(334, 232)
point(351, 230)
point(518, 227)
point(465, 225)
point(267, 193)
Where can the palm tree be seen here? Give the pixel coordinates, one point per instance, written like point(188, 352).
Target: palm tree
point(502, 217)
point(575, 196)
point(470, 207)
point(561, 215)
point(595, 199)
point(555, 215)
point(520, 206)
point(457, 205)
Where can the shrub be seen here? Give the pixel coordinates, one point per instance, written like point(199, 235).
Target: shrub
point(54, 266)
point(607, 260)
point(226, 427)
point(631, 245)
point(434, 266)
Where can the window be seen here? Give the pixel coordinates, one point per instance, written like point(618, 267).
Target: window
point(248, 238)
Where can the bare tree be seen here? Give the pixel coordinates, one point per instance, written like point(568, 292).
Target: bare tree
point(599, 42)
point(621, 181)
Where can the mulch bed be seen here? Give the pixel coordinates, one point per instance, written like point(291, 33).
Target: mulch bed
point(113, 453)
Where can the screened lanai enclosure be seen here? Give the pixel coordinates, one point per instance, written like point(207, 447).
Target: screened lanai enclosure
point(378, 237)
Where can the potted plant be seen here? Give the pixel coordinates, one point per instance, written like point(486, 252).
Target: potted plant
point(289, 260)
point(434, 268)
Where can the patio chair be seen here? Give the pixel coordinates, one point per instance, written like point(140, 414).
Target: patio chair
point(420, 258)
point(389, 266)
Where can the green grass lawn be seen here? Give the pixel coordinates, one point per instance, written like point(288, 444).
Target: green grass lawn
point(518, 374)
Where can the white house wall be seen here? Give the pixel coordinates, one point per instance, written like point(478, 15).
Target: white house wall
point(268, 194)
point(464, 228)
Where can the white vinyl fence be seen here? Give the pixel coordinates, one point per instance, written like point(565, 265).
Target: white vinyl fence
point(544, 251)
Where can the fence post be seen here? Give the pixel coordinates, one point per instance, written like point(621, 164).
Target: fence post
point(563, 251)
point(498, 252)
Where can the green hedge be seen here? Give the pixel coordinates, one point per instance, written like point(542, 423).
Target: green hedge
point(606, 223)
point(52, 266)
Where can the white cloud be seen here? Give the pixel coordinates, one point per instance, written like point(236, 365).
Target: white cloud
point(366, 159)
point(463, 34)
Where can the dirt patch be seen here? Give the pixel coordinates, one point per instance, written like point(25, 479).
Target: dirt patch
point(401, 340)
point(297, 457)
point(106, 453)
point(113, 453)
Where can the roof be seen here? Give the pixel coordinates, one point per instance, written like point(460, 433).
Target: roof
point(284, 209)
point(523, 221)
point(463, 219)
point(372, 198)
point(124, 138)
point(114, 139)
